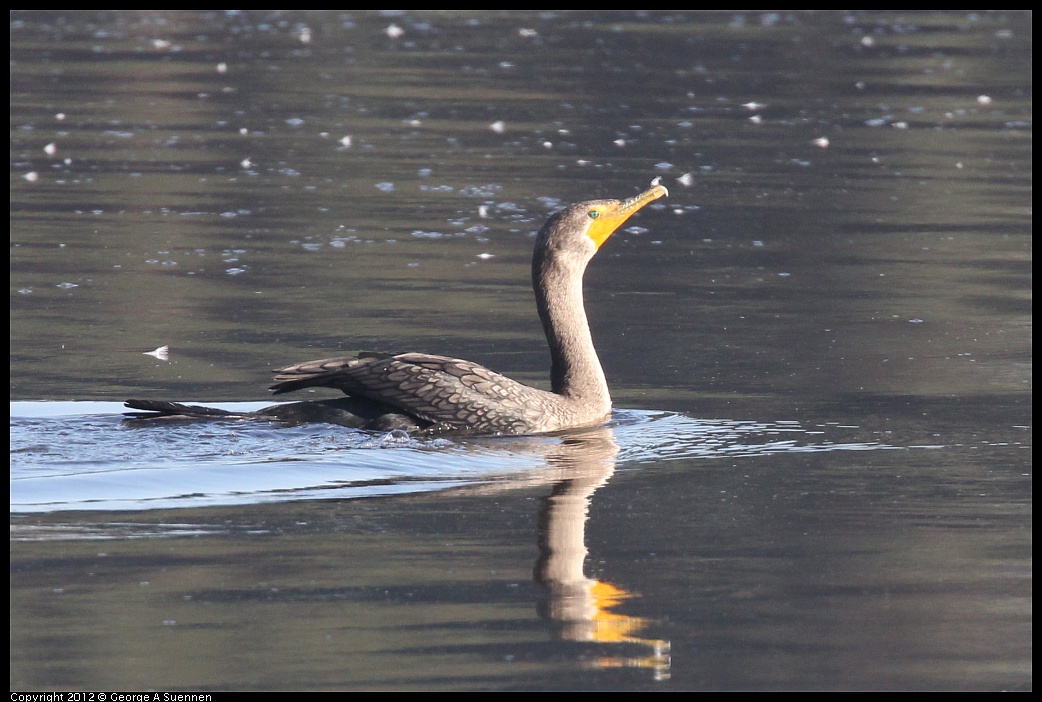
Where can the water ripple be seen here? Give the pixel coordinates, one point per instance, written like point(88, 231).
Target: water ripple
point(81, 456)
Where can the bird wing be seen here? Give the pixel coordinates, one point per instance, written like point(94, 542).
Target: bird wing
point(437, 389)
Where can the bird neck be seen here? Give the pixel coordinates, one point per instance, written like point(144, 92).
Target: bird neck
point(576, 371)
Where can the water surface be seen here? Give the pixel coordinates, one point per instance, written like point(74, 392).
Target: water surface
point(819, 346)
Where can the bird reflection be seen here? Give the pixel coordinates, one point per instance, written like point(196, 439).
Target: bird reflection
point(583, 609)
point(578, 462)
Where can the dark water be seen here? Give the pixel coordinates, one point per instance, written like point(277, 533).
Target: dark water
point(819, 476)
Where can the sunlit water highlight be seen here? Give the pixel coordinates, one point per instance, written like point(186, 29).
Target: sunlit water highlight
point(82, 456)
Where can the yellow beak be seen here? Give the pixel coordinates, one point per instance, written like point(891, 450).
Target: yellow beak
point(614, 214)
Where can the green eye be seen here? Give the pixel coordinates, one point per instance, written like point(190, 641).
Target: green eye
point(594, 214)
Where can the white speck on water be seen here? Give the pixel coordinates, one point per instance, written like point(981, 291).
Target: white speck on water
point(162, 353)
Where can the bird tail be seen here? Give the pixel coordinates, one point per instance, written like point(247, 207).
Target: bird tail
point(157, 409)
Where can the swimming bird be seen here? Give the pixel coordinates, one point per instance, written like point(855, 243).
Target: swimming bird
point(423, 393)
